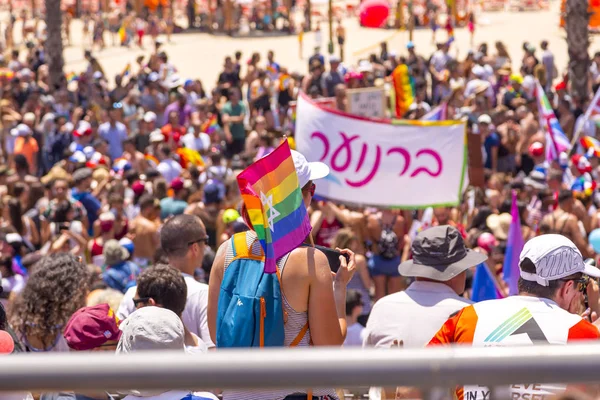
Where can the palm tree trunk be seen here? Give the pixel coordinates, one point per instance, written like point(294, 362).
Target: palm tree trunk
point(54, 44)
point(577, 19)
point(308, 16)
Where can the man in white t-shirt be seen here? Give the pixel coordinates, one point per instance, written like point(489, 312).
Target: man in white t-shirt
point(196, 140)
point(183, 238)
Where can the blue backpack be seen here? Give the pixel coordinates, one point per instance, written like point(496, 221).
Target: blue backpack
point(250, 309)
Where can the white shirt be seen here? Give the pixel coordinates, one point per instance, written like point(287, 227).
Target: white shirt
point(200, 143)
point(413, 316)
point(587, 126)
point(9, 143)
point(15, 284)
point(439, 60)
point(355, 335)
point(200, 349)
point(595, 70)
point(169, 169)
point(194, 315)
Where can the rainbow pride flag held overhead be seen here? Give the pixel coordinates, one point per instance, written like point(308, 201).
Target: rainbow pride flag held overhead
point(274, 202)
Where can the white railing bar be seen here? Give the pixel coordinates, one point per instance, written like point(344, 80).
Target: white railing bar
point(307, 367)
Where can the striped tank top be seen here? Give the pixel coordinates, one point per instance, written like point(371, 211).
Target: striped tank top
point(294, 324)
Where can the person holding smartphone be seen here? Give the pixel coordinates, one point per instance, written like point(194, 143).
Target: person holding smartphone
point(311, 292)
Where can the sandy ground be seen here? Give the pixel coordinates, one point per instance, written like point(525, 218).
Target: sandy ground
point(200, 55)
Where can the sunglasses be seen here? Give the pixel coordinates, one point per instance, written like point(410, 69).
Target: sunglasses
point(582, 283)
point(140, 301)
point(201, 240)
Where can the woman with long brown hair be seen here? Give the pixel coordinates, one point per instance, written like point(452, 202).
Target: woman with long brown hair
point(57, 287)
point(361, 281)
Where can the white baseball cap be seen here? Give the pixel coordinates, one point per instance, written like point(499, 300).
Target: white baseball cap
point(484, 119)
point(150, 116)
point(151, 328)
point(156, 136)
point(21, 130)
point(308, 171)
point(555, 257)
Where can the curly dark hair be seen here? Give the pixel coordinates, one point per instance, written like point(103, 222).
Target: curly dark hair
point(57, 287)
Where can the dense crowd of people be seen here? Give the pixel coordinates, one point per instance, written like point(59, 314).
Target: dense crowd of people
point(119, 207)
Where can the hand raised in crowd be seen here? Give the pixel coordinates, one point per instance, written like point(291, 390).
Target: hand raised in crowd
point(347, 268)
point(593, 294)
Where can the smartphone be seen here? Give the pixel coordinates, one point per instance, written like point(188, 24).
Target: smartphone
point(333, 257)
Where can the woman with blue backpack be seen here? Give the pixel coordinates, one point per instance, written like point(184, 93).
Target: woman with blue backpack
point(305, 307)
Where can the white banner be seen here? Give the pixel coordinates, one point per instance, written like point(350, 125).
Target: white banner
point(406, 164)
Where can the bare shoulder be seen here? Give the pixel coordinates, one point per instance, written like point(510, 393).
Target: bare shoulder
point(359, 258)
point(219, 261)
point(306, 261)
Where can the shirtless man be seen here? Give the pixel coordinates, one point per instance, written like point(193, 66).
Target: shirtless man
point(565, 221)
point(509, 131)
point(136, 158)
point(530, 133)
point(144, 230)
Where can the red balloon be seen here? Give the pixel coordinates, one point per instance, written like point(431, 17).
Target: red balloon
point(374, 13)
point(7, 345)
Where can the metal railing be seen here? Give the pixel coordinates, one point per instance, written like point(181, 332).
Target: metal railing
point(314, 367)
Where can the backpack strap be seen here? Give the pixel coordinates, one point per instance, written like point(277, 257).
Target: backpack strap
point(240, 248)
point(300, 335)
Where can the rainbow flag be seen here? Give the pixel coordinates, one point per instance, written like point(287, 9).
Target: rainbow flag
point(403, 90)
point(210, 126)
point(189, 156)
point(556, 140)
point(273, 199)
point(591, 146)
point(152, 161)
point(72, 76)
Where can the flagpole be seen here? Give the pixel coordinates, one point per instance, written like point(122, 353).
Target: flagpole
point(586, 117)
